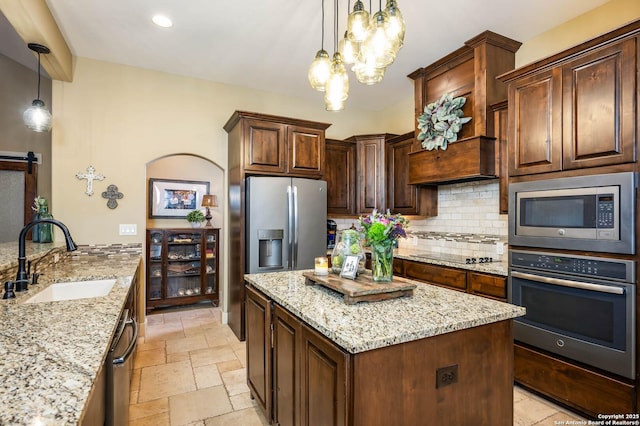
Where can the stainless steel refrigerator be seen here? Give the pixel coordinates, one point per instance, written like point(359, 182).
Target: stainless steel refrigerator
point(286, 223)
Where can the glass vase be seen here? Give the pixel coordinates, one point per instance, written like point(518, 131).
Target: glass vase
point(35, 230)
point(347, 244)
point(45, 230)
point(382, 261)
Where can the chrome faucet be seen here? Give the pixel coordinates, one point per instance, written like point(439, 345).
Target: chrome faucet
point(22, 278)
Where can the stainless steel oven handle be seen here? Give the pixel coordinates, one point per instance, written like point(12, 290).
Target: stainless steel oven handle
point(130, 321)
point(568, 283)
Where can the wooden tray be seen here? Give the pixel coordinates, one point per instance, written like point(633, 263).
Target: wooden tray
point(363, 288)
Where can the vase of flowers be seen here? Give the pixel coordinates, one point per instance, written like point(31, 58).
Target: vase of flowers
point(381, 231)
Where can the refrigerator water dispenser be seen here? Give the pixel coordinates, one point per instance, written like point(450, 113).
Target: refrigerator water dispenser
point(270, 248)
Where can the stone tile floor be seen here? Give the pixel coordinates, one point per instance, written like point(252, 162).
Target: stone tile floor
point(190, 370)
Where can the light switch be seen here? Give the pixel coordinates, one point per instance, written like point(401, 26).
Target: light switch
point(128, 229)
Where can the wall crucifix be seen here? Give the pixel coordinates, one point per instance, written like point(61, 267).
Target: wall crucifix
point(90, 176)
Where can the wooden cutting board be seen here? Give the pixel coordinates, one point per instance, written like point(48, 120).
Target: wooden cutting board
point(363, 288)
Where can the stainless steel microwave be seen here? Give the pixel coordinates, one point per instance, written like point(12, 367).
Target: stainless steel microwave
point(589, 213)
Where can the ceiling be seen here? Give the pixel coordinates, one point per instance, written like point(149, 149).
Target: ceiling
point(269, 45)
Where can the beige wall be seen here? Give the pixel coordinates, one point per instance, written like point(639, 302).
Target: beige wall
point(611, 15)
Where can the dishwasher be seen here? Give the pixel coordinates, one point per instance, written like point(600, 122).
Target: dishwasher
point(119, 370)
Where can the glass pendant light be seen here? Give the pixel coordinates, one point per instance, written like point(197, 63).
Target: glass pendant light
point(367, 73)
point(349, 50)
point(396, 27)
point(37, 117)
point(358, 23)
point(321, 65)
point(377, 43)
point(337, 88)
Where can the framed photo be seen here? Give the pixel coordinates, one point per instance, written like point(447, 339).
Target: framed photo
point(174, 199)
point(350, 267)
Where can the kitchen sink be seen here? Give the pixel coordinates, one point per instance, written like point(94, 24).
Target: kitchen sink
point(73, 290)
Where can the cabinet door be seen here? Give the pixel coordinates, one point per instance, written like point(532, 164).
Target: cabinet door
point(401, 197)
point(306, 151)
point(184, 266)
point(264, 147)
point(371, 188)
point(500, 125)
point(488, 285)
point(287, 341)
point(258, 332)
point(323, 381)
point(535, 123)
point(155, 280)
point(340, 174)
point(210, 263)
point(599, 106)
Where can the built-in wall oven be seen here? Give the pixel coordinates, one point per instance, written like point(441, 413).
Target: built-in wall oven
point(579, 307)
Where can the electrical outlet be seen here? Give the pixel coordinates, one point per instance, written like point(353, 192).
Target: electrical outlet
point(414, 241)
point(128, 229)
point(499, 248)
point(446, 376)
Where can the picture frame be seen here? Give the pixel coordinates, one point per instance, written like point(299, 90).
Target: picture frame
point(350, 267)
point(174, 199)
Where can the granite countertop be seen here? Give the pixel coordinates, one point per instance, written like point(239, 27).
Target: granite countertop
point(494, 267)
point(50, 353)
point(365, 326)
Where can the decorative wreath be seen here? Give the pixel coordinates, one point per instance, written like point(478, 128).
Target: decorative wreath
point(441, 122)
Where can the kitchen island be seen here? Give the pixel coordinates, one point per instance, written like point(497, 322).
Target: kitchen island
point(439, 355)
point(51, 353)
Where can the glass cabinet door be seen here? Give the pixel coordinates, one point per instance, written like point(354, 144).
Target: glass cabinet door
point(155, 265)
point(183, 264)
point(211, 261)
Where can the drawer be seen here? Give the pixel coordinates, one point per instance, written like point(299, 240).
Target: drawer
point(434, 274)
point(489, 285)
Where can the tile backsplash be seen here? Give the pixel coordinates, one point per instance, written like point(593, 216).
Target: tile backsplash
point(468, 222)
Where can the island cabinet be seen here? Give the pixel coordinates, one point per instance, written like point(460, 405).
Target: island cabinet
point(576, 109)
point(300, 377)
point(481, 284)
point(182, 266)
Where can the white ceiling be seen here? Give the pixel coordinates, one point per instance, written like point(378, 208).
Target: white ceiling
point(269, 44)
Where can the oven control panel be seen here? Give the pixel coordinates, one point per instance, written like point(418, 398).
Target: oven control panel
point(601, 267)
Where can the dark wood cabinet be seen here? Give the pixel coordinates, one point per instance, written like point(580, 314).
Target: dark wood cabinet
point(366, 172)
point(287, 345)
point(340, 174)
point(278, 145)
point(297, 376)
point(258, 333)
point(500, 113)
point(371, 172)
point(323, 384)
point(315, 382)
point(182, 266)
point(478, 283)
point(535, 110)
point(262, 144)
point(599, 108)
point(402, 197)
point(468, 72)
point(576, 109)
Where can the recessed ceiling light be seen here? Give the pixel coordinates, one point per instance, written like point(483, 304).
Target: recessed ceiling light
point(162, 21)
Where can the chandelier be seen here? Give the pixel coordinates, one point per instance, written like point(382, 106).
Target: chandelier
point(370, 44)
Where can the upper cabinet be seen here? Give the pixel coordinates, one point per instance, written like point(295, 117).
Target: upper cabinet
point(278, 145)
point(576, 109)
point(340, 174)
point(366, 172)
point(469, 72)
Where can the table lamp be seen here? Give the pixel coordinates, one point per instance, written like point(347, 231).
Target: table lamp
point(209, 201)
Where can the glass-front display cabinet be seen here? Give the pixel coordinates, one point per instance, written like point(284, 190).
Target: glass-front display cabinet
point(182, 266)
